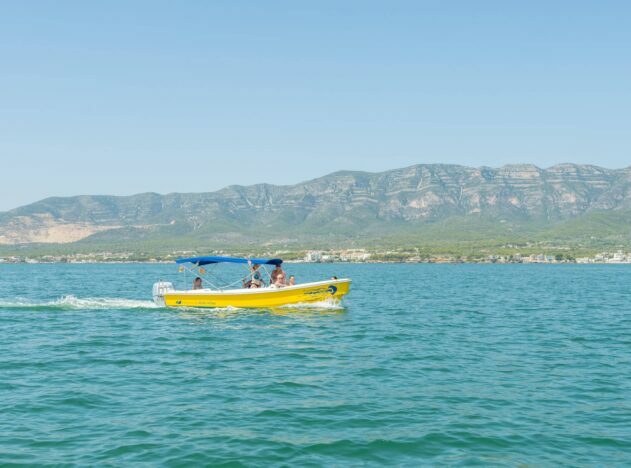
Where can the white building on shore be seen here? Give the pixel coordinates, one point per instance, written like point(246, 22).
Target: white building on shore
point(313, 256)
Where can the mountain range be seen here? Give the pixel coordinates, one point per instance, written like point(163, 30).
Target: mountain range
point(433, 203)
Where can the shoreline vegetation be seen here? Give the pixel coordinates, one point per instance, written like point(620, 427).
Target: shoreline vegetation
point(552, 256)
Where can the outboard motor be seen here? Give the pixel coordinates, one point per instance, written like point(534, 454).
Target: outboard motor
point(159, 289)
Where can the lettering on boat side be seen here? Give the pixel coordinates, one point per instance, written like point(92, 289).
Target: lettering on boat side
point(331, 289)
point(316, 291)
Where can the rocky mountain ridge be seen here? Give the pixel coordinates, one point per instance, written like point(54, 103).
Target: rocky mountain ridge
point(341, 204)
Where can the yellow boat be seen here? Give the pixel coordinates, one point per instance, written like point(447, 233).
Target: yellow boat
point(164, 294)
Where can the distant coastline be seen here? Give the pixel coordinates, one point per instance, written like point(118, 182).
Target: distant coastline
point(334, 256)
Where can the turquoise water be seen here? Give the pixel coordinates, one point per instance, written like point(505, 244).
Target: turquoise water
point(426, 364)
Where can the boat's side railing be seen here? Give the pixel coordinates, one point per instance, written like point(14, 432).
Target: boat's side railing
point(206, 275)
point(197, 270)
point(239, 281)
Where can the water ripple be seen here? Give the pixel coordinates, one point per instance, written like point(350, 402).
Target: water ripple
point(425, 364)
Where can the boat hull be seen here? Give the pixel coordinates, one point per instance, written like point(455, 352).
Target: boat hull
point(320, 291)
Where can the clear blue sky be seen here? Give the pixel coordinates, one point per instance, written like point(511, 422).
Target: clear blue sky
point(121, 97)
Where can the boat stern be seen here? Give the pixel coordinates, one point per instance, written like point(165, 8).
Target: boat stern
point(159, 290)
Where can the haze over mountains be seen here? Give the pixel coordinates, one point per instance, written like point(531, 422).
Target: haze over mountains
point(421, 203)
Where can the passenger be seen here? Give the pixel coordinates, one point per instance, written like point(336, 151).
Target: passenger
point(277, 271)
point(292, 280)
point(257, 279)
point(280, 281)
point(197, 283)
point(333, 277)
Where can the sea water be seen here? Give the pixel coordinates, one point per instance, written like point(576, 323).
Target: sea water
point(500, 365)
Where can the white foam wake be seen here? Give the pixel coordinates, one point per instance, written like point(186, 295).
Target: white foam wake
point(71, 302)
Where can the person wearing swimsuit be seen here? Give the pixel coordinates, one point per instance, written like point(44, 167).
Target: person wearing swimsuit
point(255, 274)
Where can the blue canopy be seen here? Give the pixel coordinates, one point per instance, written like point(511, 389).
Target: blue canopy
point(199, 261)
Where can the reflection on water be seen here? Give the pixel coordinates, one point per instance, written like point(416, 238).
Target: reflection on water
point(306, 310)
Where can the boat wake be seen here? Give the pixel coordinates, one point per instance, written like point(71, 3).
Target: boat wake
point(71, 302)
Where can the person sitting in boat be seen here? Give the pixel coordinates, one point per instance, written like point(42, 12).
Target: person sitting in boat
point(197, 283)
point(277, 271)
point(256, 280)
point(292, 281)
point(280, 281)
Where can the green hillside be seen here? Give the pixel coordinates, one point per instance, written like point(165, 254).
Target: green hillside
point(442, 207)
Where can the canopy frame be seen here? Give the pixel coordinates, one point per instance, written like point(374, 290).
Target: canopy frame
point(195, 266)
